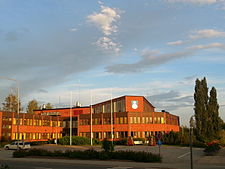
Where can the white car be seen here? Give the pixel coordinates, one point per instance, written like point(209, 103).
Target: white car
point(17, 144)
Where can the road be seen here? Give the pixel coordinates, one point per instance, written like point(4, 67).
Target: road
point(52, 165)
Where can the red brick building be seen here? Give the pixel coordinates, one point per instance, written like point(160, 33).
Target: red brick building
point(130, 115)
point(118, 118)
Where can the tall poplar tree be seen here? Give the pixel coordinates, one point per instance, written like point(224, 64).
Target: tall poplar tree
point(205, 114)
point(213, 110)
point(201, 99)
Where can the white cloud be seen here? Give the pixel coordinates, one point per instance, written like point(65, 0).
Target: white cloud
point(105, 19)
point(106, 22)
point(211, 45)
point(135, 49)
point(73, 29)
point(100, 2)
point(207, 33)
point(178, 42)
point(108, 45)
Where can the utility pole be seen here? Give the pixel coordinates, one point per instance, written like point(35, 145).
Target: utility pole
point(191, 141)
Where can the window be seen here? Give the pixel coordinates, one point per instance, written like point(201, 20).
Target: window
point(162, 120)
point(158, 120)
point(125, 120)
point(131, 119)
point(143, 120)
point(31, 122)
point(150, 120)
point(138, 120)
point(121, 120)
point(155, 120)
point(14, 121)
point(117, 120)
point(146, 120)
point(135, 119)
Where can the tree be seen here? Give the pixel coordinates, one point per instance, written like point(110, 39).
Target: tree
point(32, 105)
point(11, 103)
point(200, 107)
point(206, 112)
point(49, 106)
point(213, 111)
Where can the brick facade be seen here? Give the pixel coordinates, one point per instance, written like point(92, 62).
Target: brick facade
point(118, 118)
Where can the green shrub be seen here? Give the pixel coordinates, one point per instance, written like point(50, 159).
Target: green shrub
point(57, 153)
point(92, 154)
point(104, 155)
point(96, 141)
point(20, 153)
point(77, 140)
point(107, 145)
point(37, 152)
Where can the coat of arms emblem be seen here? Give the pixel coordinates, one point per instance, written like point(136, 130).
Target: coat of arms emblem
point(134, 104)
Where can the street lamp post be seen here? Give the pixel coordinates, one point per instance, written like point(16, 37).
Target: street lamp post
point(18, 105)
point(191, 134)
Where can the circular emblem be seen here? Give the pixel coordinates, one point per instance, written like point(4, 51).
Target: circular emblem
point(134, 104)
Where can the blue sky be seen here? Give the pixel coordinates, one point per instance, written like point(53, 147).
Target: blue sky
point(132, 47)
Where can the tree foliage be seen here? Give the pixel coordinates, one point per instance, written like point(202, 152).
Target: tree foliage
point(206, 111)
point(11, 103)
point(32, 105)
point(49, 106)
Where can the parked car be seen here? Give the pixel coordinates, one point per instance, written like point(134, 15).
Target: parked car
point(17, 144)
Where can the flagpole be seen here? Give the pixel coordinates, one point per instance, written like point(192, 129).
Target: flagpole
point(70, 118)
point(111, 118)
point(91, 119)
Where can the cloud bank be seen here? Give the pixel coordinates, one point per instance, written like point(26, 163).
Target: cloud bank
point(148, 59)
point(207, 33)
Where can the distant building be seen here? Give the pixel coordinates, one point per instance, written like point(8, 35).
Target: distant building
point(30, 127)
point(117, 118)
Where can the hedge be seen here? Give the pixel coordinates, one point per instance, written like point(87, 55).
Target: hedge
point(92, 154)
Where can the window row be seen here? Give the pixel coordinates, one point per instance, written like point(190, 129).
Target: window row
point(6, 126)
point(116, 106)
point(123, 120)
point(35, 136)
point(102, 135)
point(36, 122)
point(147, 120)
point(98, 121)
